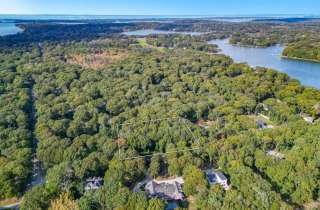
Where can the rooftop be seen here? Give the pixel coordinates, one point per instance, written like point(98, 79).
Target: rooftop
point(166, 189)
point(263, 125)
point(307, 118)
point(93, 183)
point(204, 124)
point(217, 177)
point(276, 154)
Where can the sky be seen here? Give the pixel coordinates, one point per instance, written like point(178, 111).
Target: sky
point(160, 7)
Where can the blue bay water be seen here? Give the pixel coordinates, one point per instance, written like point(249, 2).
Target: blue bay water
point(308, 73)
point(9, 29)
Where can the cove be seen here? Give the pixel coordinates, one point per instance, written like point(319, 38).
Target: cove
point(308, 73)
point(9, 29)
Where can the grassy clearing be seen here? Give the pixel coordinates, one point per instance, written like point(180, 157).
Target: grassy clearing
point(97, 60)
point(143, 42)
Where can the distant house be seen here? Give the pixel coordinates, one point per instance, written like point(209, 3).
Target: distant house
point(217, 177)
point(275, 154)
point(170, 190)
point(122, 143)
point(262, 125)
point(166, 93)
point(204, 124)
point(93, 183)
point(307, 118)
point(265, 107)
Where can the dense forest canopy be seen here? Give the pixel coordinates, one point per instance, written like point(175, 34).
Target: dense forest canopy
point(90, 92)
point(305, 49)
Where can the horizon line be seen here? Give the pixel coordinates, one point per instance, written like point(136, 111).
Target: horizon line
point(201, 15)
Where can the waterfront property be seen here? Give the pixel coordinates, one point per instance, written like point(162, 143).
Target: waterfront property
point(217, 177)
point(170, 190)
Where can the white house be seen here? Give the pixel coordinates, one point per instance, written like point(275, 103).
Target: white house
point(275, 154)
point(217, 177)
point(265, 107)
point(308, 118)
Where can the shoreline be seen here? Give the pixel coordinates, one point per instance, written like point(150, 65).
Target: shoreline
point(250, 46)
point(281, 56)
point(16, 29)
point(300, 59)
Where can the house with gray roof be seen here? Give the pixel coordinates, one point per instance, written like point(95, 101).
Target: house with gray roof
point(170, 190)
point(275, 154)
point(93, 183)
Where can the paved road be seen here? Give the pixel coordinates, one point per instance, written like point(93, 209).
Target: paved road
point(37, 173)
point(11, 206)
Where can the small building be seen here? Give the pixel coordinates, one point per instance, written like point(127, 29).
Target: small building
point(263, 125)
point(166, 93)
point(307, 118)
point(275, 154)
point(265, 107)
point(217, 177)
point(93, 183)
point(204, 124)
point(122, 143)
point(170, 190)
